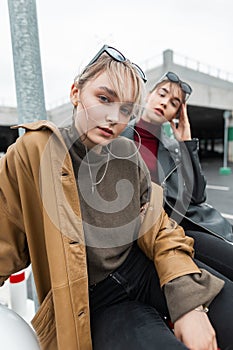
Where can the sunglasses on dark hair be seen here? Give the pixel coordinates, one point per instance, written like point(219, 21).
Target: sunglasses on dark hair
point(117, 56)
point(186, 88)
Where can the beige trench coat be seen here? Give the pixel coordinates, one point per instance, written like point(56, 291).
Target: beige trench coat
point(40, 223)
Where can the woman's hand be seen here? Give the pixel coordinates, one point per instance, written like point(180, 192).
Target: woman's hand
point(182, 132)
point(195, 331)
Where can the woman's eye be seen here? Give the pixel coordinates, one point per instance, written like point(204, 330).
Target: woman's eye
point(174, 104)
point(161, 93)
point(104, 99)
point(126, 110)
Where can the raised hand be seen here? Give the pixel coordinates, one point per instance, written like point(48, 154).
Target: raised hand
point(183, 131)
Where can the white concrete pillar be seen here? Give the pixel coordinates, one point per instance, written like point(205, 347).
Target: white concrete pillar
point(225, 170)
point(230, 139)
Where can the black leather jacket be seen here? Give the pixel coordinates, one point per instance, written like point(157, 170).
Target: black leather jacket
point(180, 174)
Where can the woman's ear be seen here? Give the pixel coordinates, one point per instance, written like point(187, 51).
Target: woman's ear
point(74, 95)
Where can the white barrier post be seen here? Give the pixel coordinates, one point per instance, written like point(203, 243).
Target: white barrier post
point(18, 293)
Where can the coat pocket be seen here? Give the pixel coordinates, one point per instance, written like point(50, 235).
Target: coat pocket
point(44, 324)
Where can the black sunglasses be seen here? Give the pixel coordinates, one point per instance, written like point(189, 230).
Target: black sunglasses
point(117, 56)
point(186, 88)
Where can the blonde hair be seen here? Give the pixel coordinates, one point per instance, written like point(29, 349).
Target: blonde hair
point(124, 78)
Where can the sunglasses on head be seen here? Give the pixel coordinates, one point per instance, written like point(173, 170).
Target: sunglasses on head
point(117, 56)
point(186, 88)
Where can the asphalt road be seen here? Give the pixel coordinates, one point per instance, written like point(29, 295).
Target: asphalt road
point(219, 187)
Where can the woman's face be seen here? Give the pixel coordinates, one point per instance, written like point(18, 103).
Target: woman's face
point(101, 116)
point(163, 103)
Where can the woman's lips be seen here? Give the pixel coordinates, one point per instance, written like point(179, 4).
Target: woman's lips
point(159, 111)
point(105, 131)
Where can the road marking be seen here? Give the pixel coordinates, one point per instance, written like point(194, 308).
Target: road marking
point(227, 216)
point(221, 188)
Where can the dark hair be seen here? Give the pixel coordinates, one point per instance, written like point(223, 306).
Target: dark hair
point(173, 85)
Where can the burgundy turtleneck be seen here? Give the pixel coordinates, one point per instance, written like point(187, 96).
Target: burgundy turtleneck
point(149, 144)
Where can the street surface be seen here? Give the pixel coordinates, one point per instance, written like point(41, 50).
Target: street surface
point(219, 187)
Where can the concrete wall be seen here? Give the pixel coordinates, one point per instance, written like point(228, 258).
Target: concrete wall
point(61, 115)
point(8, 116)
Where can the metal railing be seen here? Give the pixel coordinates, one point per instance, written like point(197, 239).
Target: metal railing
point(202, 67)
point(188, 62)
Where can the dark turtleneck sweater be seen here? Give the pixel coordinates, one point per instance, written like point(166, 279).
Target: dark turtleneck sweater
point(110, 209)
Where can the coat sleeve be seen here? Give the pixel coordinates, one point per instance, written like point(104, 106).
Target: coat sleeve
point(195, 180)
point(165, 242)
point(13, 245)
point(185, 293)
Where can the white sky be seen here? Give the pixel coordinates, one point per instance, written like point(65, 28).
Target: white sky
point(72, 31)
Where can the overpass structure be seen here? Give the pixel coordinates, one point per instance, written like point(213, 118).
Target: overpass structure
point(212, 96)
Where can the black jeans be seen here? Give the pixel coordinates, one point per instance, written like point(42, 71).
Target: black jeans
point(213, 251)
point(129, 311)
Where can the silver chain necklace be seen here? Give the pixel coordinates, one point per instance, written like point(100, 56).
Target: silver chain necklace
point(94, 184)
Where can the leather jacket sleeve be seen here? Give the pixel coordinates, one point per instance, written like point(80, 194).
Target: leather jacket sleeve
point(198, 187)
point(165, 242)
point(180, 175)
